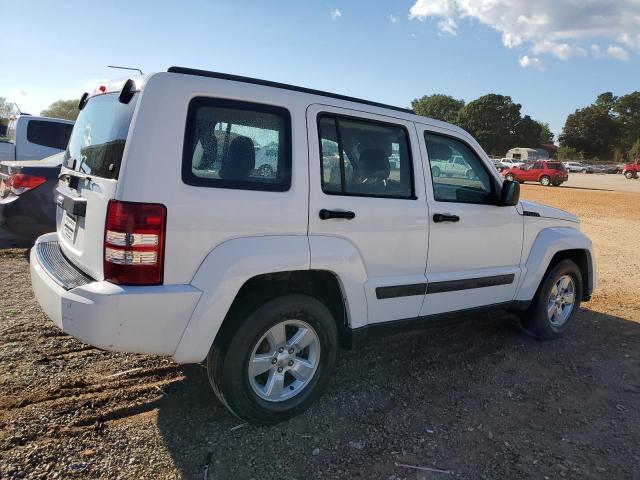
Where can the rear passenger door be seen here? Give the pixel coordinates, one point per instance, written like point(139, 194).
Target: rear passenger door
point(367, 200)
point(474, 244)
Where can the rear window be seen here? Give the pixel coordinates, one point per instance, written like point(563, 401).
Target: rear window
point(232, 144)
point(49, 134)
point(10, 135)
point(99, 135)
point(557, 166)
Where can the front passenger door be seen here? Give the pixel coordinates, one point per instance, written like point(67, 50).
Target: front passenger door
point(474, 244)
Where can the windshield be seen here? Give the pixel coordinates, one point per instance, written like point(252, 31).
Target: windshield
point(99, 134)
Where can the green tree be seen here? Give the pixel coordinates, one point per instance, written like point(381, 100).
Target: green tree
point(627, 114)
point(634, 152)
point(6, 108)
point(568, 153)
point(546, 135)
point(606, 101)
point(591, 130)
point(67, 109)
point(492, 119)
point(528, 132)
point(438, 106)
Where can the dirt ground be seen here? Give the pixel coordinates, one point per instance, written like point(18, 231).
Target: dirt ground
point(479, 400)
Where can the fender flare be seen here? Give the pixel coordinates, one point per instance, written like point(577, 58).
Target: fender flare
point(221, 275)
point(231, 264)
point(548, 242)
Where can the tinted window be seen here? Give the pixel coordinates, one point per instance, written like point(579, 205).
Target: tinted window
point(230, 144)
point(49, 134)
point(360, 157)
point(537, 166)
point(99, 135)
point(457, 173)
point(557, 166)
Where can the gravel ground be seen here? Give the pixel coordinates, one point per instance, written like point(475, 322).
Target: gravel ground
point(477, 400)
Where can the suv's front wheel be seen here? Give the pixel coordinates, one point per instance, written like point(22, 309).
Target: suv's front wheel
point(556, 302)
point(275, 362)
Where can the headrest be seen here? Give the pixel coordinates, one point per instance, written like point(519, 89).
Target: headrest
point(439, 151)
point(373, 164)
point(240, 161)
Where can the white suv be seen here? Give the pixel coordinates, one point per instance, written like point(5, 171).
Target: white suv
point(257, 226)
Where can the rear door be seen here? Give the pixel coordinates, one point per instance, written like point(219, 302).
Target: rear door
point(474, 244)
point(367, 188)
point(89, 176)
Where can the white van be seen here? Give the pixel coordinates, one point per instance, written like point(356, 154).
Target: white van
point(33, 138)
point(257, 226)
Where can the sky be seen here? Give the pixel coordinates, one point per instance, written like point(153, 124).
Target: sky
point(550, 56)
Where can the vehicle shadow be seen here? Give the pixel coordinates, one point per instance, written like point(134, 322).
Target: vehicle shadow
point(457, 397)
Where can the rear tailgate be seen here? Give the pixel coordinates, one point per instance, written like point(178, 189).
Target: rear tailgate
point(89, 178)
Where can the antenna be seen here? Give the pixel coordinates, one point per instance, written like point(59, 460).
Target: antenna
point(17, 108)
point(126, 68)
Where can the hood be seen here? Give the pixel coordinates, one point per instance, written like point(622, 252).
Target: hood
point(546, 211)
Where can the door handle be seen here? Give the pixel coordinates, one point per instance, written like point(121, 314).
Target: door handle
point(443, 217)
point(327, 214)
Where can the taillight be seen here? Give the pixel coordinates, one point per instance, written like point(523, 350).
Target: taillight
point(134, 243)
point(21, 183)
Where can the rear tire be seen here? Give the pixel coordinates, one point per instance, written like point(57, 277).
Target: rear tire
point(435, 171)
point(550, 312)
point(510, 177)
point(545, 181)
point(277, 393)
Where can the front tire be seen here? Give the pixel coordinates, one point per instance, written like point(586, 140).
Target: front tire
point(629, 175)
point(274, 363)
point(556, 302)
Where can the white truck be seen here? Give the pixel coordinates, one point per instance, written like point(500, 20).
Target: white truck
point(173, 238)
point(33, 138)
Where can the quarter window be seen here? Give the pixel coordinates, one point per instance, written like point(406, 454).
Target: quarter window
point(457, 173)
point(49, 134)
point(364, 158)
point(231, 144)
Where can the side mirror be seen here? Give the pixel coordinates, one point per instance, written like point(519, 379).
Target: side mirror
point(510, 193)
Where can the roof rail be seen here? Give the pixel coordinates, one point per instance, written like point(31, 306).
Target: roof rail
point(267, 83)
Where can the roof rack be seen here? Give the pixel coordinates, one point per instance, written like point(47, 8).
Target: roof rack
point(267, 83)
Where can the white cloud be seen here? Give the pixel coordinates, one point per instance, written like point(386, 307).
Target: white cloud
point(531, 62)
point(553, 27)
point(335, 14)
point(618, 53)
point(393, 19)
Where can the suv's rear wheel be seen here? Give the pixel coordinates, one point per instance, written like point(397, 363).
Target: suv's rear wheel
point(545, 180)
point(556, 302)
point(276, 361)
point(510, 177)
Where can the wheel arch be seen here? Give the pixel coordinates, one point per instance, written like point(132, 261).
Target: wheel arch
point(551, 246)
point(240, 270)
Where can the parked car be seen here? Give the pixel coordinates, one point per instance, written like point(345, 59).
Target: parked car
point(455, 166)
point(263, 276)
point(27, 208)
point(545, 172)
point(509, 163)
point(34, 138)
point(577, 167)
point(631, 170)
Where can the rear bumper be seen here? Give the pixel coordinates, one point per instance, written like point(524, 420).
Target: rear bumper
point(121, 318)
point(28, 216)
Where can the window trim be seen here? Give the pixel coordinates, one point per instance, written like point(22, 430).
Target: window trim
point(336, 117)
point(494, 181)
point(189, 178)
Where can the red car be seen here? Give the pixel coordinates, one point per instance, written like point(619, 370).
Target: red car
point(631, 170)
point(545, 172)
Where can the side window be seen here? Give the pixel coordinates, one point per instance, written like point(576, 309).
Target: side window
point(49, 134)
point(470, 184)
point(537, 166)
point(365, 158)
point(232, 144)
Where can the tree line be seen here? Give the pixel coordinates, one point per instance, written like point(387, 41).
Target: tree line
point(609, 129)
